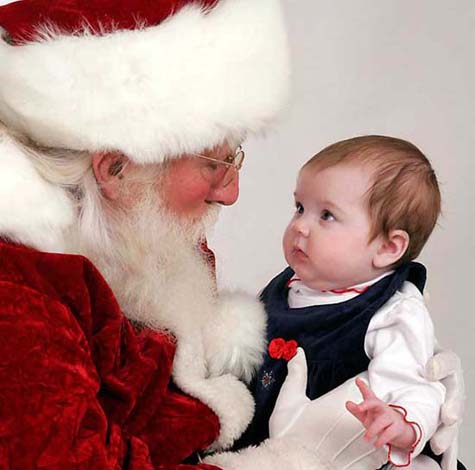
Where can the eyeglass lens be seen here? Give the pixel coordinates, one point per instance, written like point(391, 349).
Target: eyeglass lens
point(221, 174)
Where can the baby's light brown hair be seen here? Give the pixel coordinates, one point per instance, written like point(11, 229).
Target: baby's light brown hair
point(404, 194)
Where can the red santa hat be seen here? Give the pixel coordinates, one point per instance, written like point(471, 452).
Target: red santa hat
point(150, 78)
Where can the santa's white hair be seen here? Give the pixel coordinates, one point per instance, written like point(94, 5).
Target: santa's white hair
point(149, 257)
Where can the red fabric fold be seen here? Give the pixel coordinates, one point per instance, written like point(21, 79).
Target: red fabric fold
point(79, 388)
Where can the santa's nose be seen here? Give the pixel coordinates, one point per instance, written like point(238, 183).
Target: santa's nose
point(225, 195)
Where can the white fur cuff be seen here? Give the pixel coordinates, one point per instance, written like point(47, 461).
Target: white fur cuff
point(273, 454)
point(235, 341)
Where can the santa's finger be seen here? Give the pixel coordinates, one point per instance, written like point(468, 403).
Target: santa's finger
point(443, 438)
point(442, 364)
point(295, 383)
point(449, 459)
point(452, 408)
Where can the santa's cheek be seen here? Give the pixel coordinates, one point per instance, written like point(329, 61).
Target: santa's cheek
point(190, 200)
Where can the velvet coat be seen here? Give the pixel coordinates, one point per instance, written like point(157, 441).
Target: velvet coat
point(79, 387)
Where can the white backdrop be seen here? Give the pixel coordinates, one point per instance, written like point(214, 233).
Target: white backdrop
point(399, 67)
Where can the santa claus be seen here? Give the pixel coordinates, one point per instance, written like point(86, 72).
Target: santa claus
point(120, 132)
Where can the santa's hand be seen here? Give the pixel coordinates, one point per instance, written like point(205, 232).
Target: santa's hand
point(292, 400)
point(445, 367)
point(323, 424)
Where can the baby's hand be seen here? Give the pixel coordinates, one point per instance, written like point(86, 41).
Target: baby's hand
point(381, 420)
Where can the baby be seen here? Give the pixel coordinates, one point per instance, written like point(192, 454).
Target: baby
point(352, 297)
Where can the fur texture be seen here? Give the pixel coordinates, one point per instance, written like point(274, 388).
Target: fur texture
point(181, 86)
point(237, 334)
point(32, 211)
point(273, 454)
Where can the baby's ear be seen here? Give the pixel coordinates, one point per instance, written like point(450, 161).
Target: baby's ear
point(391, 249)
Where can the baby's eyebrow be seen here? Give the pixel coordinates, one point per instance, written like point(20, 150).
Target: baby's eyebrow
point(333, 206)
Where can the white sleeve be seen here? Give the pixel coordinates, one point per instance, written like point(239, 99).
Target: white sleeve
point(399, 342)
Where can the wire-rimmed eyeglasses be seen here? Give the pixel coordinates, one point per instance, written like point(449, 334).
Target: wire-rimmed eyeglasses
point(222, 172)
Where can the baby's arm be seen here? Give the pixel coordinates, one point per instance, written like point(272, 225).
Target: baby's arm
point(382, 421)
point(399, 342)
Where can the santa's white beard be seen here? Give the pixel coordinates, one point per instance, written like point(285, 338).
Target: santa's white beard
point(152, 262)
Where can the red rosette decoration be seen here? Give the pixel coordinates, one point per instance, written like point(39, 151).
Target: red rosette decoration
point(276, 348)
point(281, 349)
point(290, 349)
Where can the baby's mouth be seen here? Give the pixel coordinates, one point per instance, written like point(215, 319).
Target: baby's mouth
point(298, 252)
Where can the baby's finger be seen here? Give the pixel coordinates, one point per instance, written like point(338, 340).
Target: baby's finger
point(386, 436)
point(372, 404)
point(354, 409)
point(377, 426)
point(366, 392)
point(368, 420)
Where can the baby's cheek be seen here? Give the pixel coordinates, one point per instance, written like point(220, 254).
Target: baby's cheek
point(286, 241)
point(288, 256)
point(327, 248)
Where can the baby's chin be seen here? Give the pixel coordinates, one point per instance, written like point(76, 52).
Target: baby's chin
point(317, 279)
point(318, 282)
point(310, 281)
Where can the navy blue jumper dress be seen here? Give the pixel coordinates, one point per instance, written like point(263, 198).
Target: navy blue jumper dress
point(332, 337)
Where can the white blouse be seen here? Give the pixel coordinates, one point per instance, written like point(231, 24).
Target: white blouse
point(399, 342)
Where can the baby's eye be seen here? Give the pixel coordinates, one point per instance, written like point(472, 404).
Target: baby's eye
point(299, 208)
point(327, 215)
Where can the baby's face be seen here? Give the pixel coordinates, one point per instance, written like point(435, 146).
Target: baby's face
point(327, 241)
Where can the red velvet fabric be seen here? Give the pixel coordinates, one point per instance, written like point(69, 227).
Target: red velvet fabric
point(21, 19)
point(79, 388)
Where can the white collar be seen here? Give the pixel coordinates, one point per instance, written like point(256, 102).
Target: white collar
point(300, 295)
